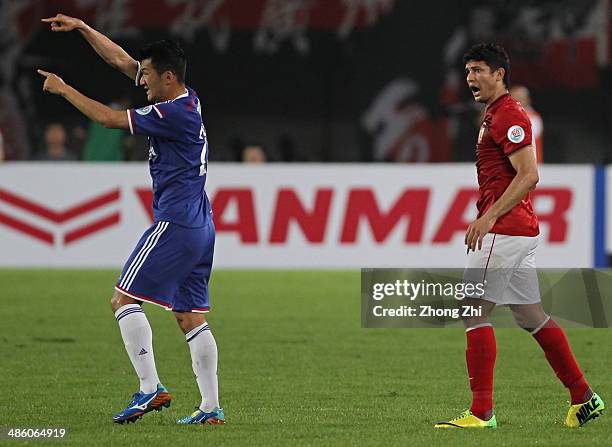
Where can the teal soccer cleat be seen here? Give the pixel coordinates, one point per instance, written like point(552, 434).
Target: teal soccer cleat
point(215, 417)
point(143, 403)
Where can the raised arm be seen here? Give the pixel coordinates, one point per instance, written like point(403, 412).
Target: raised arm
point(95, 111)
point(109, 51)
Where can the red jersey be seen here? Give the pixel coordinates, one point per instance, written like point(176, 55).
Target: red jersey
point(505, 129)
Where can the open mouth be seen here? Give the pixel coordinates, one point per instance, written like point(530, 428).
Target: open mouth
point(475, 89)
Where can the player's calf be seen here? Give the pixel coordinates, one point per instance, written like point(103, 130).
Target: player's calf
point(203, 349)
point(585, 404)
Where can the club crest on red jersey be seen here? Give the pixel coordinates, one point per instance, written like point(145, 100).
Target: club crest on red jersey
point(486, 122)
point(481, 133)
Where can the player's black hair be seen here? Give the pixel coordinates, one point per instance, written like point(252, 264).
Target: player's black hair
point(493, 55)
point(165, 55)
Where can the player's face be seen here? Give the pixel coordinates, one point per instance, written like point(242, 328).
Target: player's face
point(151, 81)
point(483, 82)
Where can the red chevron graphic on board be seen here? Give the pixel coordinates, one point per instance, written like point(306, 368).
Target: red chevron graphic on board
point(59, 217)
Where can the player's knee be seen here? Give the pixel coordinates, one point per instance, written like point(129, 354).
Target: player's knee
point(474, 322)
point(521, 321)
point(183, 321)
point(119, 300)
point(475, 313)
point(528, 317)
point(179, 319)
point(188, 321)
point(114, 302)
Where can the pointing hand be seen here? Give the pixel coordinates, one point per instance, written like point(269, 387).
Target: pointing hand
point(62, 23)
point(53, 83)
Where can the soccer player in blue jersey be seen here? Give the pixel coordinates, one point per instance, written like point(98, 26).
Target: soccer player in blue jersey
point(171, 264)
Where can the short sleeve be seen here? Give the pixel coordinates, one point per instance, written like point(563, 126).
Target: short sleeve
point(158, 120)
point(512, 130)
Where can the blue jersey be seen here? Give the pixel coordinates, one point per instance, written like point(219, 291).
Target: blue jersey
point(178, 158)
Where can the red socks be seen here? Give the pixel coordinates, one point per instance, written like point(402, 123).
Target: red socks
point(553, 341)
point(480, 356)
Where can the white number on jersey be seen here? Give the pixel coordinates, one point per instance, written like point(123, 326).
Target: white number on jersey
point(204, 150)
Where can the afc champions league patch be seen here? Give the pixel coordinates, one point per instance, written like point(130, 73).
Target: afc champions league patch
point(144, 110)
point(516, 134)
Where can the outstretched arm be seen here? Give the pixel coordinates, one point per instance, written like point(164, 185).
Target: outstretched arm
point(94, 110)
point(108, 50)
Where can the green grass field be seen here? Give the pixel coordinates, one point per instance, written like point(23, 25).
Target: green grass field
point(295, 368)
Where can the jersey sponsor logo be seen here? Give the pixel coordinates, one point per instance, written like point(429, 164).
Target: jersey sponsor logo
point(516, 134)
point(144, 110)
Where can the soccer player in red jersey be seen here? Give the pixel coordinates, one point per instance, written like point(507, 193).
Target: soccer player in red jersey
point(501, 246)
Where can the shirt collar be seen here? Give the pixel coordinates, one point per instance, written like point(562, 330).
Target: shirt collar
point(184, 95)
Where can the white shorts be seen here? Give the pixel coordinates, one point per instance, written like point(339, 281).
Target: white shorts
point(506, 266)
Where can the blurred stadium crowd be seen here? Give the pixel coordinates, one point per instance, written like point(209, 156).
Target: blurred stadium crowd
point(305, 80)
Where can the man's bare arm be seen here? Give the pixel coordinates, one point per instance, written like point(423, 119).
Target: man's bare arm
point(524, 163)
point(94, 110)
point(109, 51)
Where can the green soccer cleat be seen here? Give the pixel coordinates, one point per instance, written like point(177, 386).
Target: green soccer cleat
point(580, 414)
point(468, 420)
